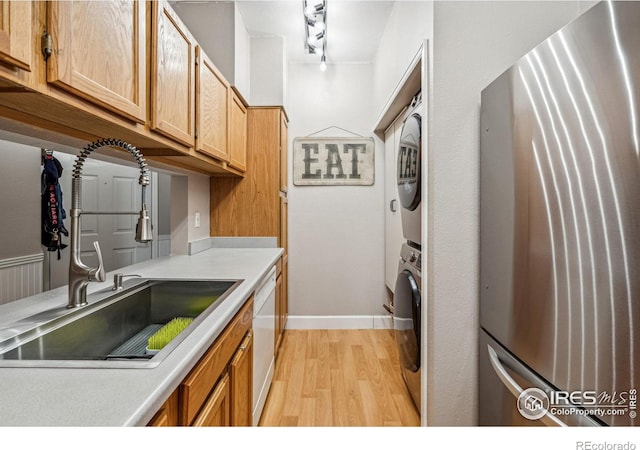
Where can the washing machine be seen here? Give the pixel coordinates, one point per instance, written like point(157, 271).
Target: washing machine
point(408, 174)
point(407, 323)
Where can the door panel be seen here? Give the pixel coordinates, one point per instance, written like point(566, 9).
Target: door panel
point(116, 233)
point(172, 76)
point(90, 229)
point(216, 411)
point(212, 109)
point(393, 222)
point(241, 372)
point(100, 53)
point(15, 33)
point(284, 153)
point(237, 133)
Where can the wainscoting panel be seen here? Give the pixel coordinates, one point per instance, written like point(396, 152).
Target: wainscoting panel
point(20, 277)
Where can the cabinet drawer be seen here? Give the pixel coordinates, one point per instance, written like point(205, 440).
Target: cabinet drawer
point(195, 389)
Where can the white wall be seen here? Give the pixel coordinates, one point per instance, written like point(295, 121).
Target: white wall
point(473, 43)
point(409, 24)
point(164, 204)
point(220, 30)
point(21, 255)
point(336, 233)
point(20, 171)
point(268, 71)
point(212, 24)
point(189, 194)
point(242, 71)
point(199, 192)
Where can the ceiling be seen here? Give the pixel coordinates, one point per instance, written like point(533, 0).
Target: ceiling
point(354, 27)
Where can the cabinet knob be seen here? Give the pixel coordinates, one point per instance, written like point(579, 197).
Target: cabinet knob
point(392, 205)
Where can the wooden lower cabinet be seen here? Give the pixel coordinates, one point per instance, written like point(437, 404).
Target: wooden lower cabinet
point(218, 390)
point(282, 304)
point(216, 412)
point(278, 328)
point(284, 311)
point(167, 415)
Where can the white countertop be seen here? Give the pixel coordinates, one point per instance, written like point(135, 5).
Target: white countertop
point(124, 397)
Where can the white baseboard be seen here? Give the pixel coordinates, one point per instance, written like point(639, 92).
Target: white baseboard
point(339, 322)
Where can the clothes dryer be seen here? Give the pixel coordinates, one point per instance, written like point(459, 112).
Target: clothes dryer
point(409, 177)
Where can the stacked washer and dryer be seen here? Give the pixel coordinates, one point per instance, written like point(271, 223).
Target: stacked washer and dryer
point(407, 302)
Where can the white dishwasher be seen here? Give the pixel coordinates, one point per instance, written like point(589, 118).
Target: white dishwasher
point(263, 341)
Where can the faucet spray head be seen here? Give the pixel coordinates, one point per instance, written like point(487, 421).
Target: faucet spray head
point(143, 228)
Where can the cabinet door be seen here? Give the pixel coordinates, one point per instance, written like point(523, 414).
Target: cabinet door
point(172, 76)
point(241, 370)
point(284, 223)
point(238, 133)
point(15, 33)
point(285, 294)
point(100, 53)
point(167, 415)
point(393, 223)
point(284, 152)
point(277, 337)
point(216, 411)
point(212, 108)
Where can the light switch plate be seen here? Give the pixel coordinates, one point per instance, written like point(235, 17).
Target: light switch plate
point(197, 219)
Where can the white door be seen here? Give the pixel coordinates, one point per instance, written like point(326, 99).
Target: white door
point(393, 223)
point(112, 188)
point(105, 187)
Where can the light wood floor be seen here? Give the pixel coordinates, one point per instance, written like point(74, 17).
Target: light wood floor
point(338, 378)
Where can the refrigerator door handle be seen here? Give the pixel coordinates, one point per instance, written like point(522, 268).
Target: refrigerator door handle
point(515, 388)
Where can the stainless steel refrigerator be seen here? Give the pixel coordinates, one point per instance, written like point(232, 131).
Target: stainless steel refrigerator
point(560, 228)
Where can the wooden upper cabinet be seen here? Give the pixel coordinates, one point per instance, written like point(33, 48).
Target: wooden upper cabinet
point(15, 33)
point(212, 109)
point(172, 75)
point(284, 145)
point(99, 53)
point(238, 133)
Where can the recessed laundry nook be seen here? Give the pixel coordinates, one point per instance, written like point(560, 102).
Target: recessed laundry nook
point(319, 213)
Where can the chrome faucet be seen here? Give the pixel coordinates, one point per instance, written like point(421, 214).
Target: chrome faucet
point(80, 275)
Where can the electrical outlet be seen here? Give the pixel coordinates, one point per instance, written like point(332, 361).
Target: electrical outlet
point(197, 220)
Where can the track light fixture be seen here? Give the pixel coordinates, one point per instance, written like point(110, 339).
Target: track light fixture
point(313, 7)
point(315, 19)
